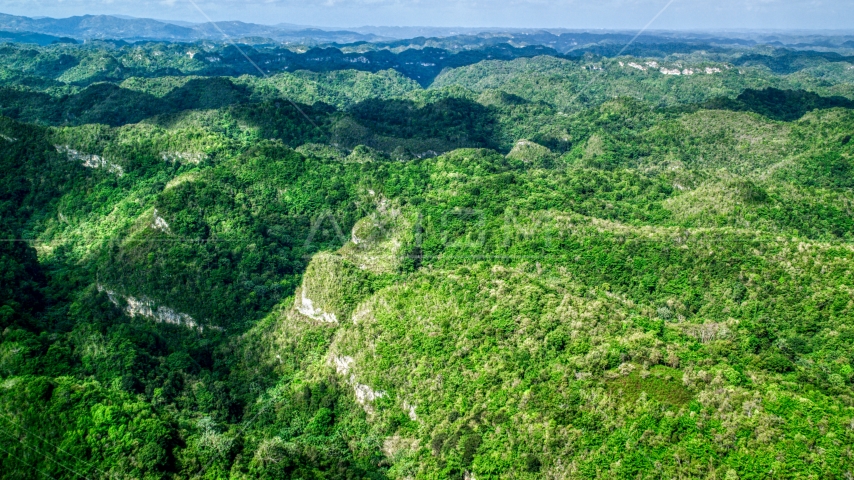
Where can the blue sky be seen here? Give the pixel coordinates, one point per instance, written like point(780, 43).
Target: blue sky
point(611, 14)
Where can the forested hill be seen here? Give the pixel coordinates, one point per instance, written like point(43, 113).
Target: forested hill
point(534, 265)
point(78, 65)
point(420, 59)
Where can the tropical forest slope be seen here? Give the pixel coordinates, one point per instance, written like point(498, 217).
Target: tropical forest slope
point(542, 267)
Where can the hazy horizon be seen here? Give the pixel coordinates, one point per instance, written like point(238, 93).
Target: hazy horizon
point(711, 30)
point(699, 15)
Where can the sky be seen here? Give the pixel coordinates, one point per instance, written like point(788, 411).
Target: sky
point(587, 14)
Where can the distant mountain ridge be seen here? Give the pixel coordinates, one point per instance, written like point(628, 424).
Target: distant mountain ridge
point(88, 27)
point(36, 38)
point(120, 27)
point(96, 26)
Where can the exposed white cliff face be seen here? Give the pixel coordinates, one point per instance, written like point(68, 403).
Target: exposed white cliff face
point(306, 307)
point(90, 161)
point(159, 223)
point(183, 157)
point(635, 65)
point(343, 364)
point(145, 307)
point(427, 154)
point(410, 410)
point(365, 395)
point(683, 71)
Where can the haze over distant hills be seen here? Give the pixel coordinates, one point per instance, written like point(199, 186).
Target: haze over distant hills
point(122, 27)
point(111, 27)
point(46, 30)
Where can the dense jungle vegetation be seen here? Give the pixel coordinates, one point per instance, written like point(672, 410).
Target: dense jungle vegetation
point(404, 261)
